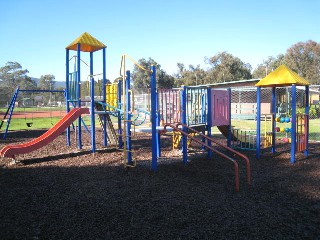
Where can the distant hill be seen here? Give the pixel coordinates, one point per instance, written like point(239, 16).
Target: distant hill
point(58, 84)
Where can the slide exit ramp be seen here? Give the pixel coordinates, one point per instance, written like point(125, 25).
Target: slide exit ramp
point(11, 151)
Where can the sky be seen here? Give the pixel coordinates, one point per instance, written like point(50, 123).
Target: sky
point(35, 33)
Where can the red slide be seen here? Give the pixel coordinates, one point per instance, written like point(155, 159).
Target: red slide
point(12, 150)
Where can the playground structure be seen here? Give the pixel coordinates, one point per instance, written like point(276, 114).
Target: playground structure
point(283, 76)
point(185, 110)
point(189, 112)
point(244, 116)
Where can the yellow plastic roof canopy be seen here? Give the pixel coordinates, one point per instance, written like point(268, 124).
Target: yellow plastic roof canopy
point(87, 43)
point(282, 76)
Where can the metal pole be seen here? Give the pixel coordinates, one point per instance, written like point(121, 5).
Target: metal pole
point(293, 123)
point(67, 95)
point(120, 142)
point(184, 121)
point(128, 119)
point(78, 96)
point(209, 119)
point(154, 164)
point(229, 118)
point(273, 110)
point(92, 114)
point(258, 122)
point(158, 124)
point(105, 140)
point(306, 122)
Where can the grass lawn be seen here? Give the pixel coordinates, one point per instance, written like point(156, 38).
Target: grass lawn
point(314, 127)
point(46, 123)
point(34, 109)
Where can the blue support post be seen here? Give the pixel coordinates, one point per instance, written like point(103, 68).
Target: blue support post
point(273, 112)
point(104, 81)
point(128, 118)
point(229, 118)
point(306, 151)
point(258, 122)
point(209, 120)
point(204, 110)
point(11, 108)
point(78, 95)
point(154, 164)
point(92, 114)
point(184, 121)
point(120, 140)
point(158, 124)
point(293, 123)
point(67, 94)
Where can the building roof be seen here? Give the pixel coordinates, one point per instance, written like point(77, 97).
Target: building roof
point(282, 76)
point(87, 43)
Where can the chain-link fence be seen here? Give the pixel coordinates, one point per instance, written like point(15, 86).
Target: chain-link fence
point(244, 109)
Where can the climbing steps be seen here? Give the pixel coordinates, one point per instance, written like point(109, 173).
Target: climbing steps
point(176, 139)
point(111, 132)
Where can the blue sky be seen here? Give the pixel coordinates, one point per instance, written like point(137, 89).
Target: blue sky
point(35, 33)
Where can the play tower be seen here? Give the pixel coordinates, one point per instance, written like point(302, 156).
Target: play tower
point(84, 43)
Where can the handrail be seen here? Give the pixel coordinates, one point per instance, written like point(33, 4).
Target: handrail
point(235, 164)
point(133, 61)
point(244, 157)
point(139, 110)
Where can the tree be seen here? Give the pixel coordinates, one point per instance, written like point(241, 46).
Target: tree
point(268, 66)
point(47, 82)
point(226, 67)
point(141, 78)
point(190, 77)
point(304, 58)
point(13, 76)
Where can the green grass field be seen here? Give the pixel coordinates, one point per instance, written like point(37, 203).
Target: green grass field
point(36, 123)
point(34, 109)
point(314, 128)
point(46, 123)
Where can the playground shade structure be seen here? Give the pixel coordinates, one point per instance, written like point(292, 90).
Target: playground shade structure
point(282, 76)
point(13, 150)
point(87, 43)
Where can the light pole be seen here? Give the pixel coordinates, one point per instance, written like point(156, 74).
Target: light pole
point(50, 88)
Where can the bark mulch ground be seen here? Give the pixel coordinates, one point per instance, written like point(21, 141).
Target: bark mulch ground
point(60, 192)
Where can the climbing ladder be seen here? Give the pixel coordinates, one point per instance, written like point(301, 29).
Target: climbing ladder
point(6, 119)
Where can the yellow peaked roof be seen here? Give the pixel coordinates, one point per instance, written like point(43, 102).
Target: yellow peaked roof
point(87, 43)
point(282, 76)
